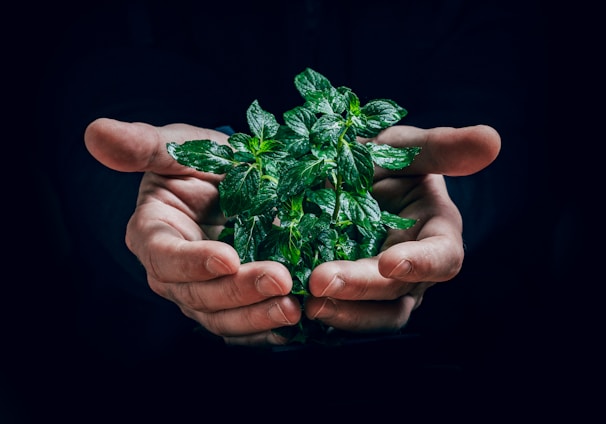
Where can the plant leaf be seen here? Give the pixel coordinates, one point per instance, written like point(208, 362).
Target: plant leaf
point(380, 114)
point(310, 81)
point(262, 124)
point(390, 157)
point(248, 235)
point(395, 221)
point(327, 128)
point(324, 198)
point(300, 120)
point(361, 209)
point(265, 200)
point(238, 189)
point(303, 174)
point(240, 142)
point(295, 145)
point(355, 165)
point(203, 155)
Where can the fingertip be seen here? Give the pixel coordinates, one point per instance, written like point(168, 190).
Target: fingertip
point(463, 151)
point(219, 266)
point(321, 277)
point(224, 260)
point(492, 141)
point(92, 135)
point(122, 146)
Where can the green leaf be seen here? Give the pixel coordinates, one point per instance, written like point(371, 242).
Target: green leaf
point(290, 247)
point(353, 101)
point(346, 248)
point(300, 120)
point(395, 221)
point(361, 209)
point(371, 240)
point(294, 144)
point(300, 286)
point(238, 189)
point(282, 245)
point(291, 211)
point(262, 124)
point(319, 94)
point(380, 114)
point(318, 102)
point(327, 247)
point(310, 81)
point(327, 129)
point(299, 192)
point(390, 157)
point(265, 200)
point(355, 165)
point(203, 155)
point(248, 235)
point(325, 198)
point(240, 142)
point(303, 174)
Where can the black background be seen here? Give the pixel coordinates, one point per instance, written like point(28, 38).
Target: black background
point(532, 363)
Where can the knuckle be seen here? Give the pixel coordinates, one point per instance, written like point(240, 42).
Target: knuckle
point(188, 294)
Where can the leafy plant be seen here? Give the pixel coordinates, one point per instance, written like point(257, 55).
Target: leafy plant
point(299, 193)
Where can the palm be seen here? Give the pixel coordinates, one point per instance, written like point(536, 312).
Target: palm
point(189, 204)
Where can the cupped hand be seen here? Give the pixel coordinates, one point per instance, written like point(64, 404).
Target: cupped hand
point(379, 294)
point(173, 232)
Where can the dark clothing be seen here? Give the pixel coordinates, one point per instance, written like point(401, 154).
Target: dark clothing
point(449, 63)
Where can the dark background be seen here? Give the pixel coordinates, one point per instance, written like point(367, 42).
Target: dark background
point(514, 361)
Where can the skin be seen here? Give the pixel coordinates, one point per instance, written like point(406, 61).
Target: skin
point(174, 228)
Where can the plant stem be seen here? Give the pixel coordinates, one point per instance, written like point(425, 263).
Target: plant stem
point(335, 212)
point(339, 182)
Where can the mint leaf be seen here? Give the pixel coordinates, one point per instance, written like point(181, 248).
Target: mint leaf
point(390, 157)
point(262, 124)
point(310, 81)
point(379, 115)
point(300, 120)
point(238, 189)
point(355, 165)
point(299, 192)
point(395, 221)
point(203, 155)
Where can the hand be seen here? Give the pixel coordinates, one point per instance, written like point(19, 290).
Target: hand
point(177, 219)
point(379, 294)
point(173, 233)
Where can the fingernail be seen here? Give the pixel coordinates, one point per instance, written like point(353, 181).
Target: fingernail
point(276, 314)
point(267, 286)
point(402, 269)
point(335, 286)
point(216, 266)
point(327, 310)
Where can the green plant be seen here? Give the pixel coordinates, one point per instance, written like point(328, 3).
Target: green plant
point(299, 193)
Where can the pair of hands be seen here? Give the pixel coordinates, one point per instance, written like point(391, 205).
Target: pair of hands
point(173, 232)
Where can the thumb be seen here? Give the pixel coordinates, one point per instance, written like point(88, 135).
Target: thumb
point(445, 150)
point(139, 147)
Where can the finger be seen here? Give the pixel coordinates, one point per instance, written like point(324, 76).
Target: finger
point(432, 250)
point(136, 147)
point(172, 254)
point(249, 320)
point(437, 258)
point(444, 150)
point(394, 272)
point(354, 280)
point(254, 282)
point(363, 316)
